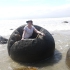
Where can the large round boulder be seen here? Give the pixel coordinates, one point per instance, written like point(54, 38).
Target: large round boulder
point(34, 49)
point(68, 58)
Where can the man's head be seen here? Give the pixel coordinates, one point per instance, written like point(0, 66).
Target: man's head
point(29, 22)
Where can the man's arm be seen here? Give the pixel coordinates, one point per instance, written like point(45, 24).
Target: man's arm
point(38, 32)
point(23, 35)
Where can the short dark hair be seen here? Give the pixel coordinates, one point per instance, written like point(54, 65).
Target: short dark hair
point(29, 21)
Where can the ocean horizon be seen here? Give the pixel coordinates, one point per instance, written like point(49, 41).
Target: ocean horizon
point(51, 24)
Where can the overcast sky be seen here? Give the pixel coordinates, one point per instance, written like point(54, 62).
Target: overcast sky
point(10, 9)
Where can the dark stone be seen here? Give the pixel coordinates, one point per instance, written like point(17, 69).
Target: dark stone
point(65, 22)
point(68, 58)
point(3, 40)
point(33, 49)
point(11, 29)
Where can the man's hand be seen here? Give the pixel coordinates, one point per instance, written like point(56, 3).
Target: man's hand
point(42, 34)
point(22, 39)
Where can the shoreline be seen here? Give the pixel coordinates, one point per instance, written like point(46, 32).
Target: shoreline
point(62, 44)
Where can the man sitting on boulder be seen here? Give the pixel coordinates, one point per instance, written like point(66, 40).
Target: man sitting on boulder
point(28, 30)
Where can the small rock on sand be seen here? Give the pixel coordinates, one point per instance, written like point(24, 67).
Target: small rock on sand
point(11, 29)
point(65, 22)
point(3, 40)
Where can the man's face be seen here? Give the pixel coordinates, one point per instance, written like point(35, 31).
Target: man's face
point(29, 23)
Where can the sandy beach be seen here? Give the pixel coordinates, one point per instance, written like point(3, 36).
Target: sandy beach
point(62, 42)
point(59, 30)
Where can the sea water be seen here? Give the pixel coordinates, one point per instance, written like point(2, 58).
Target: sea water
point(51, 24)
point(61, 34)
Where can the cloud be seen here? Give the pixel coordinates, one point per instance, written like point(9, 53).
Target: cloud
point(26, 11)
point(67, 0)
point(34, 11)
point(59, 11)
point(25, 0)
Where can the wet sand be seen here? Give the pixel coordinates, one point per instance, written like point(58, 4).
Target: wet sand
point(57, 62)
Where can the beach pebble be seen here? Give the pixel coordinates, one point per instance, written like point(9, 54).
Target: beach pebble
point(11, 29)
